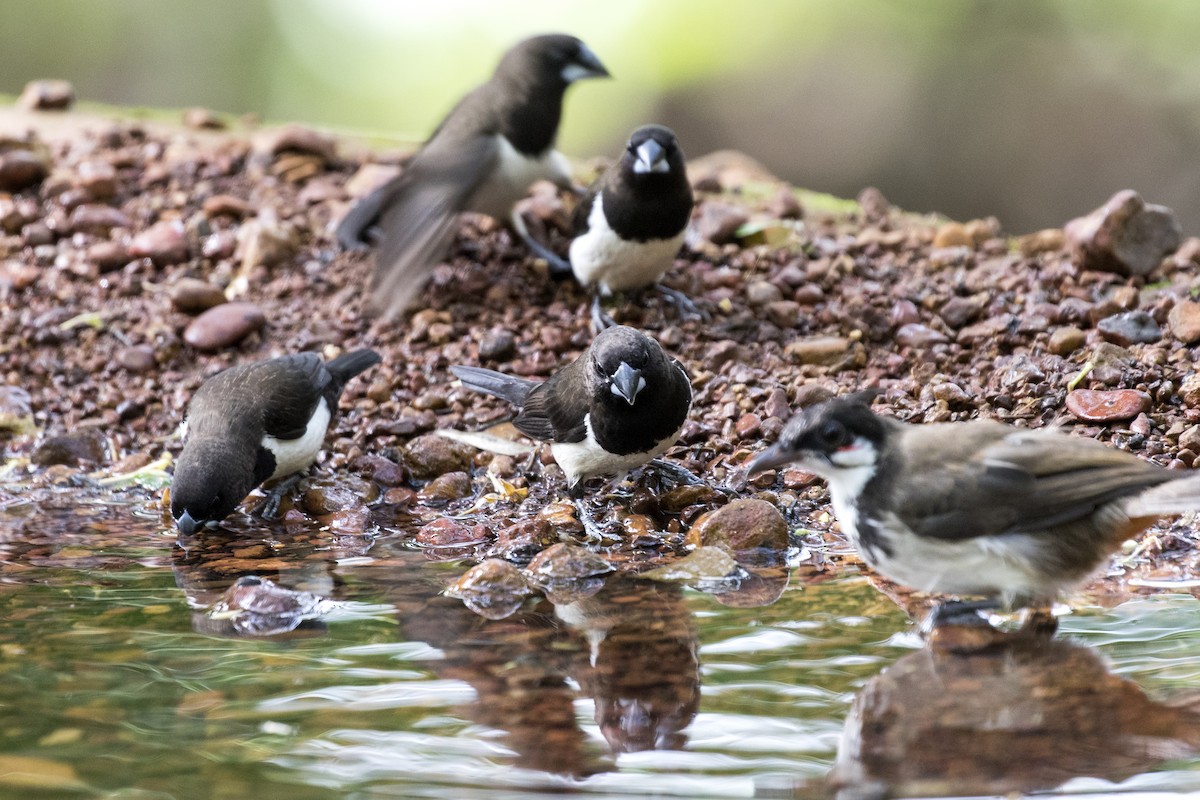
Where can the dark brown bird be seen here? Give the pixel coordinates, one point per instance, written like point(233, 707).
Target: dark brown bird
point(495, 143)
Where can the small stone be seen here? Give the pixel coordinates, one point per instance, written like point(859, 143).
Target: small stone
point(874, 205)
point(97, 179)
point(446, 532)
point(721, 353)
point(326, 494)
point(265, 241)
point(224, 325)
point(1049, 240)
point(784, 313)
point(809, 294)
point(748, 425)
point(96, 219)
point(565, 561)
point(108, 256)
point(203, 119)
point(497, 345)
point(719, 222)
point(951, 394)
point(748, 524)
point(685, 496)
point(1130, 327)
point(777, 404)
point(164, 243)
point(493, 589)
point(227, 205)
point(443, 488)
point(220, 245)
point(430, 455)
point(916, 335)
point(138, 359)
point(825, 350)
point(903, 312)
point(297, 139)
point(1113, 405)
point(1189, 390)
point(523, 539)
point(759, 293)
point(382, 470)
point(785, 205)
point(192, 295)
point(1125, 235)
point(1066, 340)
point(959, 311)
point(20, 169)
point(47, 95)
point(1190, 439)
point(16, 412)
point(84, 446)
point(952, 234)
point(1142, 425)
point(1184, 321)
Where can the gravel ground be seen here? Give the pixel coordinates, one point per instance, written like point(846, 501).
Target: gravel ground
point(121, 243)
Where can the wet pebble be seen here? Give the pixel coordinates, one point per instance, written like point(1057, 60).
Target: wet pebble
point(1130, 327)
point(47, 95)
point(1114, 405)
point(747, 524)
point(443, 488)
point(352, 521)
point(192, 295)
point(326, 495)
point(682, 497)
point(446, 532)
point(382, 470)
point(493, 589)
point(525, 538)
point(224, 325)
point(164, 243)
point(1184, 321)
point(567, 573)
point(430, 455)
point(1125, 235)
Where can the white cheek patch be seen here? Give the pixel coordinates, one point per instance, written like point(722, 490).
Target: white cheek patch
point(859, 454)
point(574, 72)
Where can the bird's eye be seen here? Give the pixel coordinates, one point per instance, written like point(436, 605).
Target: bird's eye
point(833, 435)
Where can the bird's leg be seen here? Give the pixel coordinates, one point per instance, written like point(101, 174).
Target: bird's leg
point(270, 507)
point(681, 475)
point(601, 321)
point(559, 267)
point(686, 306)
point(961, 612)
point(592, 533)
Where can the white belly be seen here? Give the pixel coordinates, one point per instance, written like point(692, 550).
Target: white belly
point(513, 175)
point(295, 455)
point(602, 258)
point(582, 460)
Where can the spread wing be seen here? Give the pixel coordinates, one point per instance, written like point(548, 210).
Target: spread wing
point(555, 410)
point(418, 214)
point(1018, 482)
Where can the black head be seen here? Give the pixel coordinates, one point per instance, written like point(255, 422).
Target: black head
point(622, 362)
point(551, 59)
point(837, 435)
point(652, 151)
point(207, 487)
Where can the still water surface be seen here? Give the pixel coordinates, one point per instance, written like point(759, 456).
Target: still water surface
point(115, 681)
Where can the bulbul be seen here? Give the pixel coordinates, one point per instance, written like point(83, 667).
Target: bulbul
point(253, 423)
point(483, 157)
point(629, 226)
point(616, 407)
point(977, 508)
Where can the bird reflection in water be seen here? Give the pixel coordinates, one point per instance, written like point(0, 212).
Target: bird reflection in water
point(1026, 716)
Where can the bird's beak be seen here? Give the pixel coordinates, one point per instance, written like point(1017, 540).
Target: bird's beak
point(187, 526)
point(651, 157)
point(774, 456)
point(585, 65)
point(627, 382)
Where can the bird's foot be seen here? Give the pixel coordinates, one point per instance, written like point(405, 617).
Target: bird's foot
point(559, 267)
point(270, 507)
point(601, 321)
point(682, 476)
point(685, 305)
point(593, 532)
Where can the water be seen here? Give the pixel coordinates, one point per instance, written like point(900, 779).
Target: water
point(115, 682)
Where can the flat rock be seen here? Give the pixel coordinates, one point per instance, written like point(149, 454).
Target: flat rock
point(493, 589)
point(84, 446)
point(430, 455)
point(1125, 235)
point(1113, 405)
point(224, 325)
point(192, 295)
point(1130, 327)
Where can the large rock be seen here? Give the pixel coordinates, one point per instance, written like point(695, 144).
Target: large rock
point(749, 524)
point(1125, 235)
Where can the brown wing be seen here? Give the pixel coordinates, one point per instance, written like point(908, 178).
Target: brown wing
point(555, 410)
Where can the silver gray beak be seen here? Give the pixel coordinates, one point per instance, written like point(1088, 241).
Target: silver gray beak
point(627, 382)
point(187, 526)
point(651, 157)
point(585, 65)
point(774, 456)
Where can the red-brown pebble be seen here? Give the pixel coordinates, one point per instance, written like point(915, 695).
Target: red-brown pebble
point(1107, 406)
point(224, 325)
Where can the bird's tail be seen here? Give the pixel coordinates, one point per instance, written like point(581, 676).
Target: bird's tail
point(1167, 499)
point(497, 384)
point(347, 365)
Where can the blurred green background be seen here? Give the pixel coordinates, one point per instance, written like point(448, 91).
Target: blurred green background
point(1032, 110)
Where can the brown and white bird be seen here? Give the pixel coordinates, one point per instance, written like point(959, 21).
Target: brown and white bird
point(253, 423)
point(496, 142)
point(977, 508)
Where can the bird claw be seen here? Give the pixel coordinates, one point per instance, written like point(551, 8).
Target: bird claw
point(686, 306)
point(270, 507)
point(601, 321)
point(964, 613)
point(593, 533)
